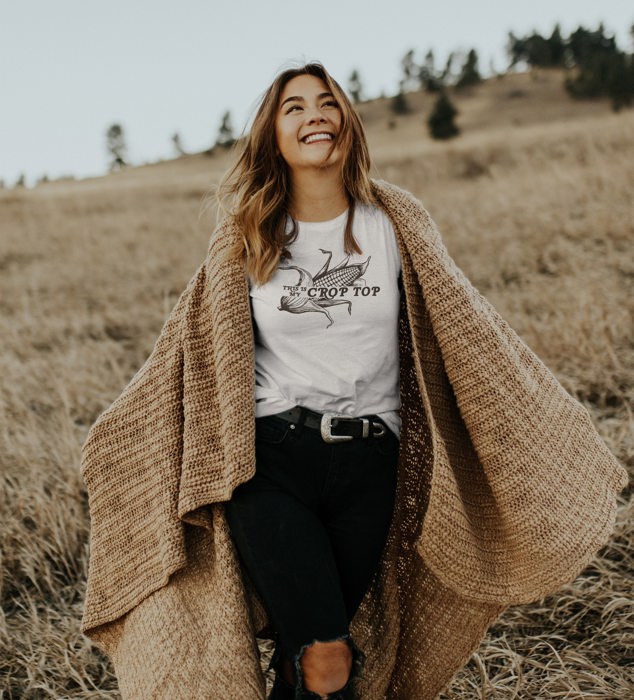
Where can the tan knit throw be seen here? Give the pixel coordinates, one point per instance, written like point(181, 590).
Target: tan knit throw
point(505, 489)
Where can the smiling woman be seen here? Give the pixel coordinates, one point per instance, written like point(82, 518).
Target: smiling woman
point(337, 444)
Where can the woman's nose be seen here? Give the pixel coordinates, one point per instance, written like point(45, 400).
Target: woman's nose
point(314, 115)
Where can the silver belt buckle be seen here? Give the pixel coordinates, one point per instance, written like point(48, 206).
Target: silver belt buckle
point(326, 427)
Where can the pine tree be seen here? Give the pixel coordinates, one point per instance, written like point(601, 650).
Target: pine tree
point(399, 104)
point(469, 74)
point(515, 49)
point(601, 68)
point(620, 81)
point(446, 75)
point(178, 146)
point(354, 86)
point(225, 132)
point(427, 76)
point(584, 44)
point(557, 47)
point(116, 146)
point(410, 72)
point(537, 51)
point(441, 121)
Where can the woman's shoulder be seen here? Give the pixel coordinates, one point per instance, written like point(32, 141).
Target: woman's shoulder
point(224, 234)
point(388, 192)
point(383, 188)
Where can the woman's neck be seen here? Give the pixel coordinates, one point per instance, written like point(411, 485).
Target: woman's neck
point(317, 197)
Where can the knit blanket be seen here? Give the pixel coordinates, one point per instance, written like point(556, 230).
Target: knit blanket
point(505, 490)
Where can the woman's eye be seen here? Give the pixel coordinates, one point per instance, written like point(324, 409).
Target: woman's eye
point(329, 103)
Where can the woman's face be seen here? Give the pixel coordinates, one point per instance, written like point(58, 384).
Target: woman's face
point(308, 119)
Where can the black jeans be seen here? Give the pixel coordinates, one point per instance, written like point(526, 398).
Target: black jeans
point(309, 529)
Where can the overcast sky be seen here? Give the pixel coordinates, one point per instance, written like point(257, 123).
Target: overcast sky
point(70, 68)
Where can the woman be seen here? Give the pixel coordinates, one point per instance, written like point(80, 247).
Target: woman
point(229, 503)
point(311, 525)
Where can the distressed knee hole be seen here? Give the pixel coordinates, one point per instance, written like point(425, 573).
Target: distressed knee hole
point(324, 667)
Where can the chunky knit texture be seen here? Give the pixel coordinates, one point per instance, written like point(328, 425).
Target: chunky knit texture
point(505, 489)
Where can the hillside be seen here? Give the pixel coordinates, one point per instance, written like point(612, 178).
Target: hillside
point(500, 109)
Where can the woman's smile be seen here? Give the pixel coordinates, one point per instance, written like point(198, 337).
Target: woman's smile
point(318, 138)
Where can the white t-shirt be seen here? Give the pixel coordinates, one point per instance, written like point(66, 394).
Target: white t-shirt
point(326, 327)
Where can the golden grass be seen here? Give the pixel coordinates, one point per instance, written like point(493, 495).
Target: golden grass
point(540, 218)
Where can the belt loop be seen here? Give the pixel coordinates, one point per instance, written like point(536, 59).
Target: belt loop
point(300, 422)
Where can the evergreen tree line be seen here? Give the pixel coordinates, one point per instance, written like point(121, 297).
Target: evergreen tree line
point(600, 68)
point(597, 67)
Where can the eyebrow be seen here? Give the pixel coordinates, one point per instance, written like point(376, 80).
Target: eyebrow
point(297, 98)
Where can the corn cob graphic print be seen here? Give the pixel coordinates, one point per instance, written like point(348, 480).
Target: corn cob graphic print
point(324, 288)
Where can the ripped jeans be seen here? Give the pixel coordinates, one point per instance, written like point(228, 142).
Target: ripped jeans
point(309, 529)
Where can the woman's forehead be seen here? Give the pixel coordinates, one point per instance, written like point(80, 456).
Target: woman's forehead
point(303, 86)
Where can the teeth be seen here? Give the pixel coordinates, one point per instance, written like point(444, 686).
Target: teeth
point(317, 137)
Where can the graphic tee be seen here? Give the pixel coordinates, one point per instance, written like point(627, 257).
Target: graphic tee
point(326, 324)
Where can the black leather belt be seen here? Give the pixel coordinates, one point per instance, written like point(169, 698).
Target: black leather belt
point(336, 427)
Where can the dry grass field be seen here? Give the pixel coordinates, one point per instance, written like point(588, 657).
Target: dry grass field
point(535, 202)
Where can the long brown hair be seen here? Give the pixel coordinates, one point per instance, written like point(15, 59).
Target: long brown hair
point(259, 183)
